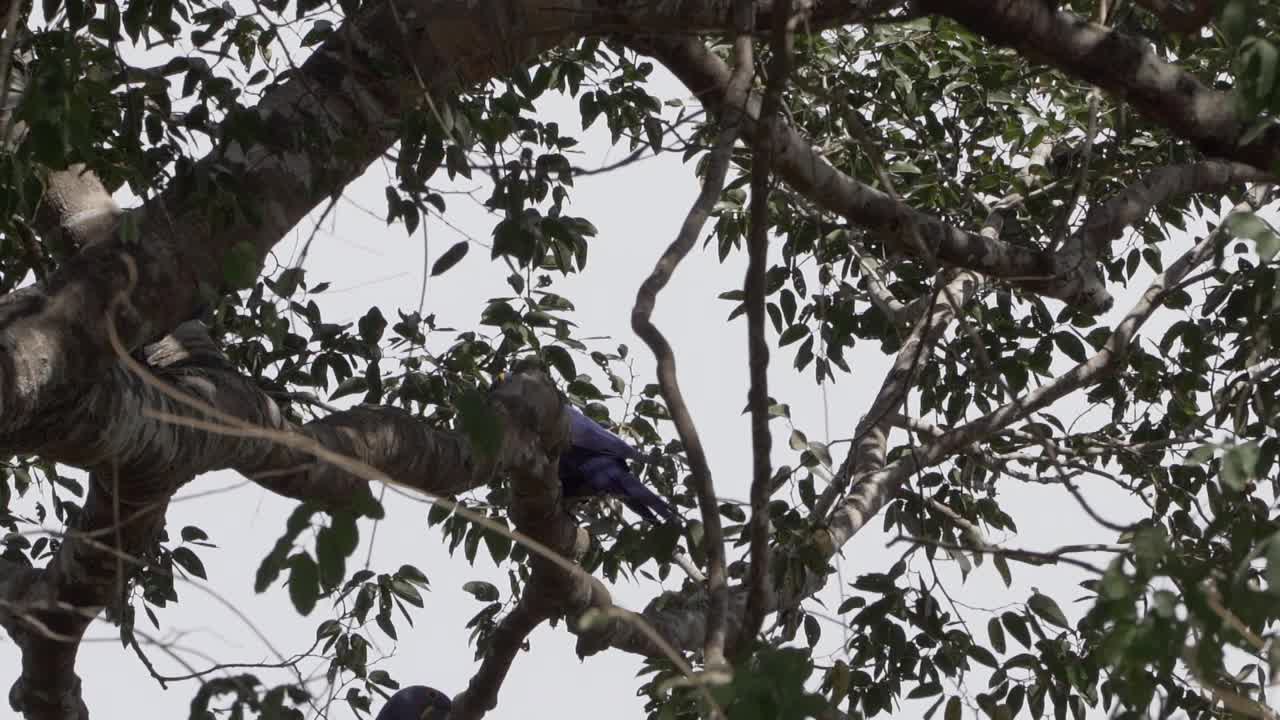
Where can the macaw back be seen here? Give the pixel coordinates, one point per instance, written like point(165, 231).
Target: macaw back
point(416, 702)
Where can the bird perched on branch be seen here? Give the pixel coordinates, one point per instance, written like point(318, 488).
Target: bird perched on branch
point(595, 463)
point(416, 702)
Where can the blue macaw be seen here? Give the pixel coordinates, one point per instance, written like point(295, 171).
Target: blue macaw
point(416, 702)
point(595, 463)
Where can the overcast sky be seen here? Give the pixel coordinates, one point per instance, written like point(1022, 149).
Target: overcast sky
point(637, 210)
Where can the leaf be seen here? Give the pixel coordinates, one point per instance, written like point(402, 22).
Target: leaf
point(562, 361)
point(480, 423)
point(411, 574)
point(191, 533)
point(482, 591)
point(996, 632)
point(953, 709)
point(1017, 627)
point(1238, 465)
point(407, 592)
point(1002, 566)
point(287, 284)
point(1047, 608)
point(798, 440)
point(384, 621)
point(1249, 225)
point(812, 630)
point(984, 656)
point(328, 628)
point(499, 546)
point(240, 267)
point(792, 334)
point(450, 258)
point(304, 583)
point(1235, 20)
point(1070, 346)
point(653, 132)
point(372, 325)
point(189, 561)
point(270, 567)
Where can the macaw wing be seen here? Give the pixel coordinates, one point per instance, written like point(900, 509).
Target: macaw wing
point(586, 434)
point(602, 475)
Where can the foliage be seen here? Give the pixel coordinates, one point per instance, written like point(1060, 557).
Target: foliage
point(1186, 596)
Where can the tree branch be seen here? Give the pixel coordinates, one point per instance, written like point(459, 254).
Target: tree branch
point(1123, 65)
point(811, 175)
point(872, 491)
point(762, 162)
point(870, 438)
point(642, 324)
point(481, 694)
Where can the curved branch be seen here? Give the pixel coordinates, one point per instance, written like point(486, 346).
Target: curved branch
point(871, 435)
point(1108, 221)
point(642, 324)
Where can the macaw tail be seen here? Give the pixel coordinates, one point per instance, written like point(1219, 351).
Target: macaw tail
point(644, 502)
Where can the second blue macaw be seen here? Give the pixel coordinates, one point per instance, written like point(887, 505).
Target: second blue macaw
point(416, 702)
point(595, 463)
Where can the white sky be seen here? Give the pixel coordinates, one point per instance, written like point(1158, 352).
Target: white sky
point(637, 210)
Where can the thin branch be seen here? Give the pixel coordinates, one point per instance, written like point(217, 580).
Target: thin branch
point(871, 435)
point(642, 324)
point(762, 162)
point(873, 491)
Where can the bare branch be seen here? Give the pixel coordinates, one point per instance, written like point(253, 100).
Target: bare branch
point(762, 162)
point(642, 324)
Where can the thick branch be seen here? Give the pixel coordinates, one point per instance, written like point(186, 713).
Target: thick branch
point(142, 443)
point(1108, 221)
point(895, 223)
point(349, 94)
point(1123, 65)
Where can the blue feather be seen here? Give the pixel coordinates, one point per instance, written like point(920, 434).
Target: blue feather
point(596, 464)
point(416, 702)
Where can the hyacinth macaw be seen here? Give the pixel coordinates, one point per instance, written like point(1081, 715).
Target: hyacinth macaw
point(416, 702)
point(595, 463)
